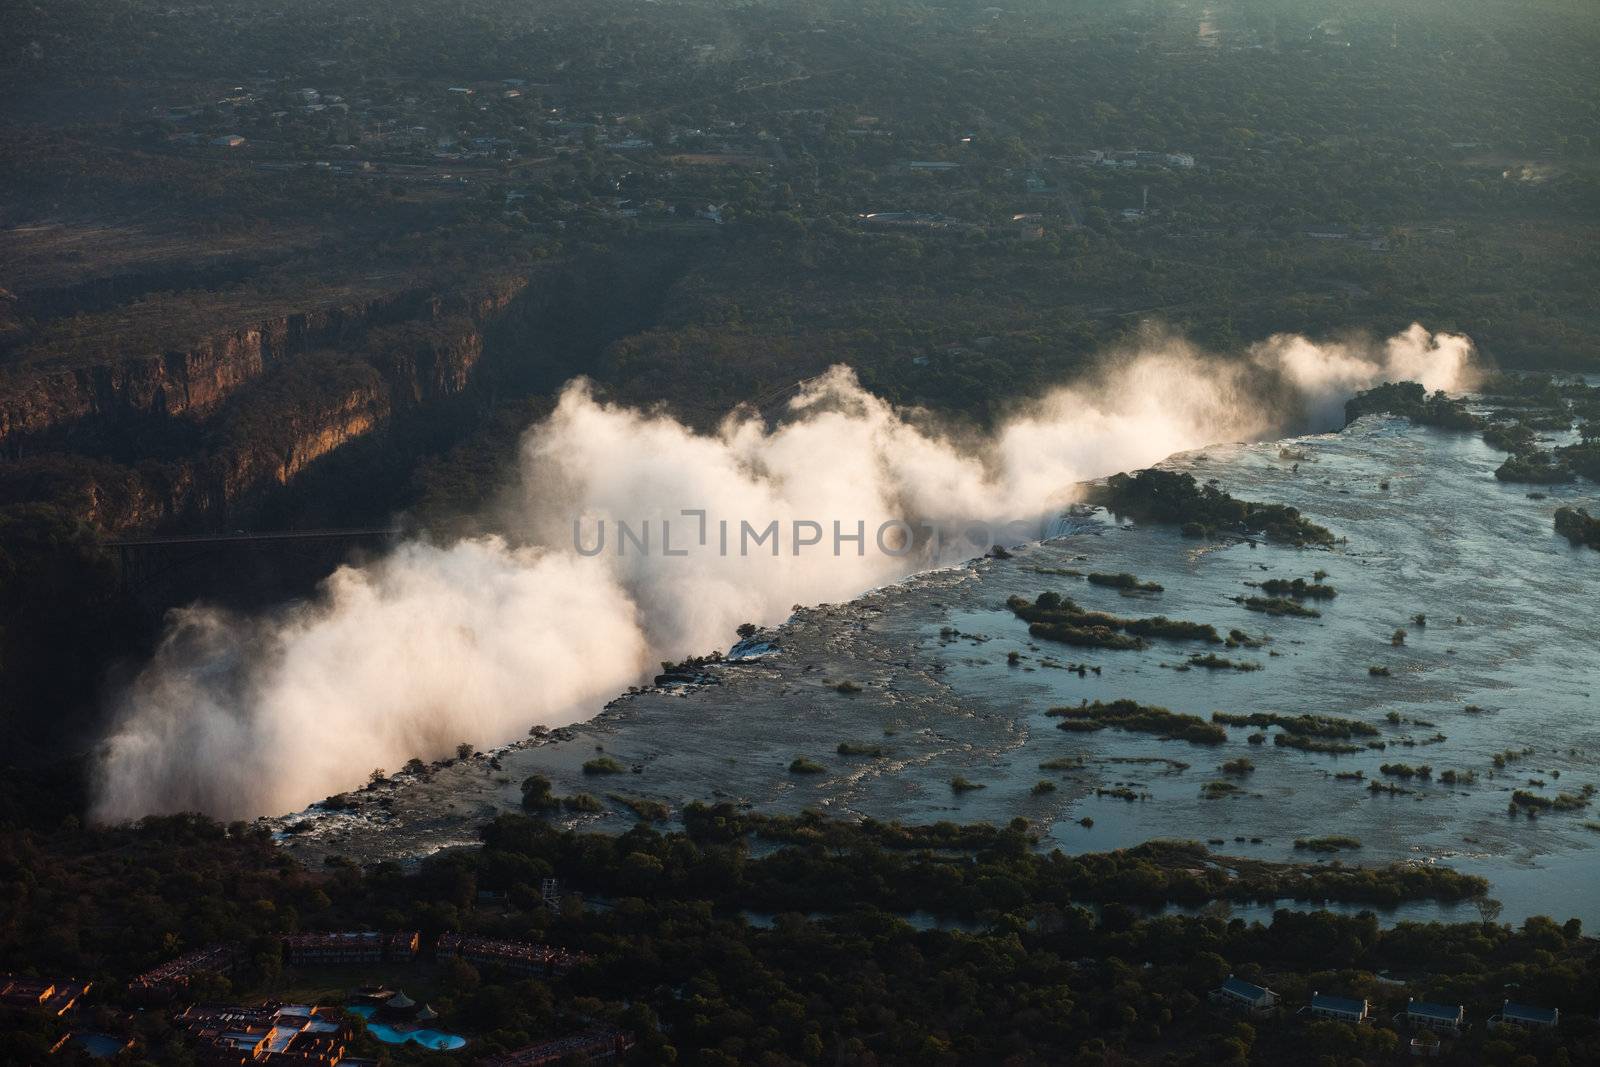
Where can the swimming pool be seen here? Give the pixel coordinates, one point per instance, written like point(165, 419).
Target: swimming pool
point(437, 1040)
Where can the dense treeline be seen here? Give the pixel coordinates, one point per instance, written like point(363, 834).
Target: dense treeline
point(1202, 510)
point(777, 940)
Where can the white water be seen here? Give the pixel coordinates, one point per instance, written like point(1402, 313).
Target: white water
point(478, 640)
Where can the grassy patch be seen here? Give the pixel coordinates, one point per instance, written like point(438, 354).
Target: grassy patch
point(1213, 662)
point(1298, 588)
point(1325, 746)
point(1277, 605)
point(646, 810)
point(1305, 725)
point(1124, 581)
point(1202, 510)
point(1054, 617)
point(1140, 718)
point(1326, 844)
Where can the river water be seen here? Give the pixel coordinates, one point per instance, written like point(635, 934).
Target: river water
point(1505, 662)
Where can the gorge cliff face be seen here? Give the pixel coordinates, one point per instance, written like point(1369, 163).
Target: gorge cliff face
point(195, 437)
point(38, 403)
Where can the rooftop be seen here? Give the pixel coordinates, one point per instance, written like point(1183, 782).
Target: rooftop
point(1346, 1005)
point(1529, 1012)
point(1449, 1012)
point(1240, 988)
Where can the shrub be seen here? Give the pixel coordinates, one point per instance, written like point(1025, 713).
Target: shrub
point(536, 794)
point(1326, 844)
point(1140, 718)
point(1124, 581)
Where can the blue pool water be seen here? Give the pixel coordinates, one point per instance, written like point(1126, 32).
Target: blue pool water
point(437, 1040)
point(100, 1046)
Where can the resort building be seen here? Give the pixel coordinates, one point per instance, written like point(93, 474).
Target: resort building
point(400, 1008)
point(1255, 1000)
point(523, 957)
point(1341, 1009)
point(351, 946)
point(1526, 1016)
point(1442, 1018)
point(285, 1034)
point(39, 994)
point(591, 1046)
point(175, 974)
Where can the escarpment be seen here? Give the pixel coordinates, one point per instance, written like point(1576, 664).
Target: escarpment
point(80, 380)
point(197, 437)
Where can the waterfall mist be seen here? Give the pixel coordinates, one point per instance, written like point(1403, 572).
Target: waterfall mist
point(478, 640)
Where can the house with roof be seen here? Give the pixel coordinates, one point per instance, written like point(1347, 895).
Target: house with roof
point(1340, 1009)
point(1239, 995)
point(1526, 1016)
point(1440, 1018)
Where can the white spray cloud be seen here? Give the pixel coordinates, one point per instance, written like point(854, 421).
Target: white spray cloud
point(479, 640)
point(1325, 374)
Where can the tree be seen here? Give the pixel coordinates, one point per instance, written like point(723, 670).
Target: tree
point(537, 794)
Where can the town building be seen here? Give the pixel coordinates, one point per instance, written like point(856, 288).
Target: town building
point(1342, 1009)
point(1526, 1016)
point(351, 946)
point(1441, 1018)
point(1239, 995)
